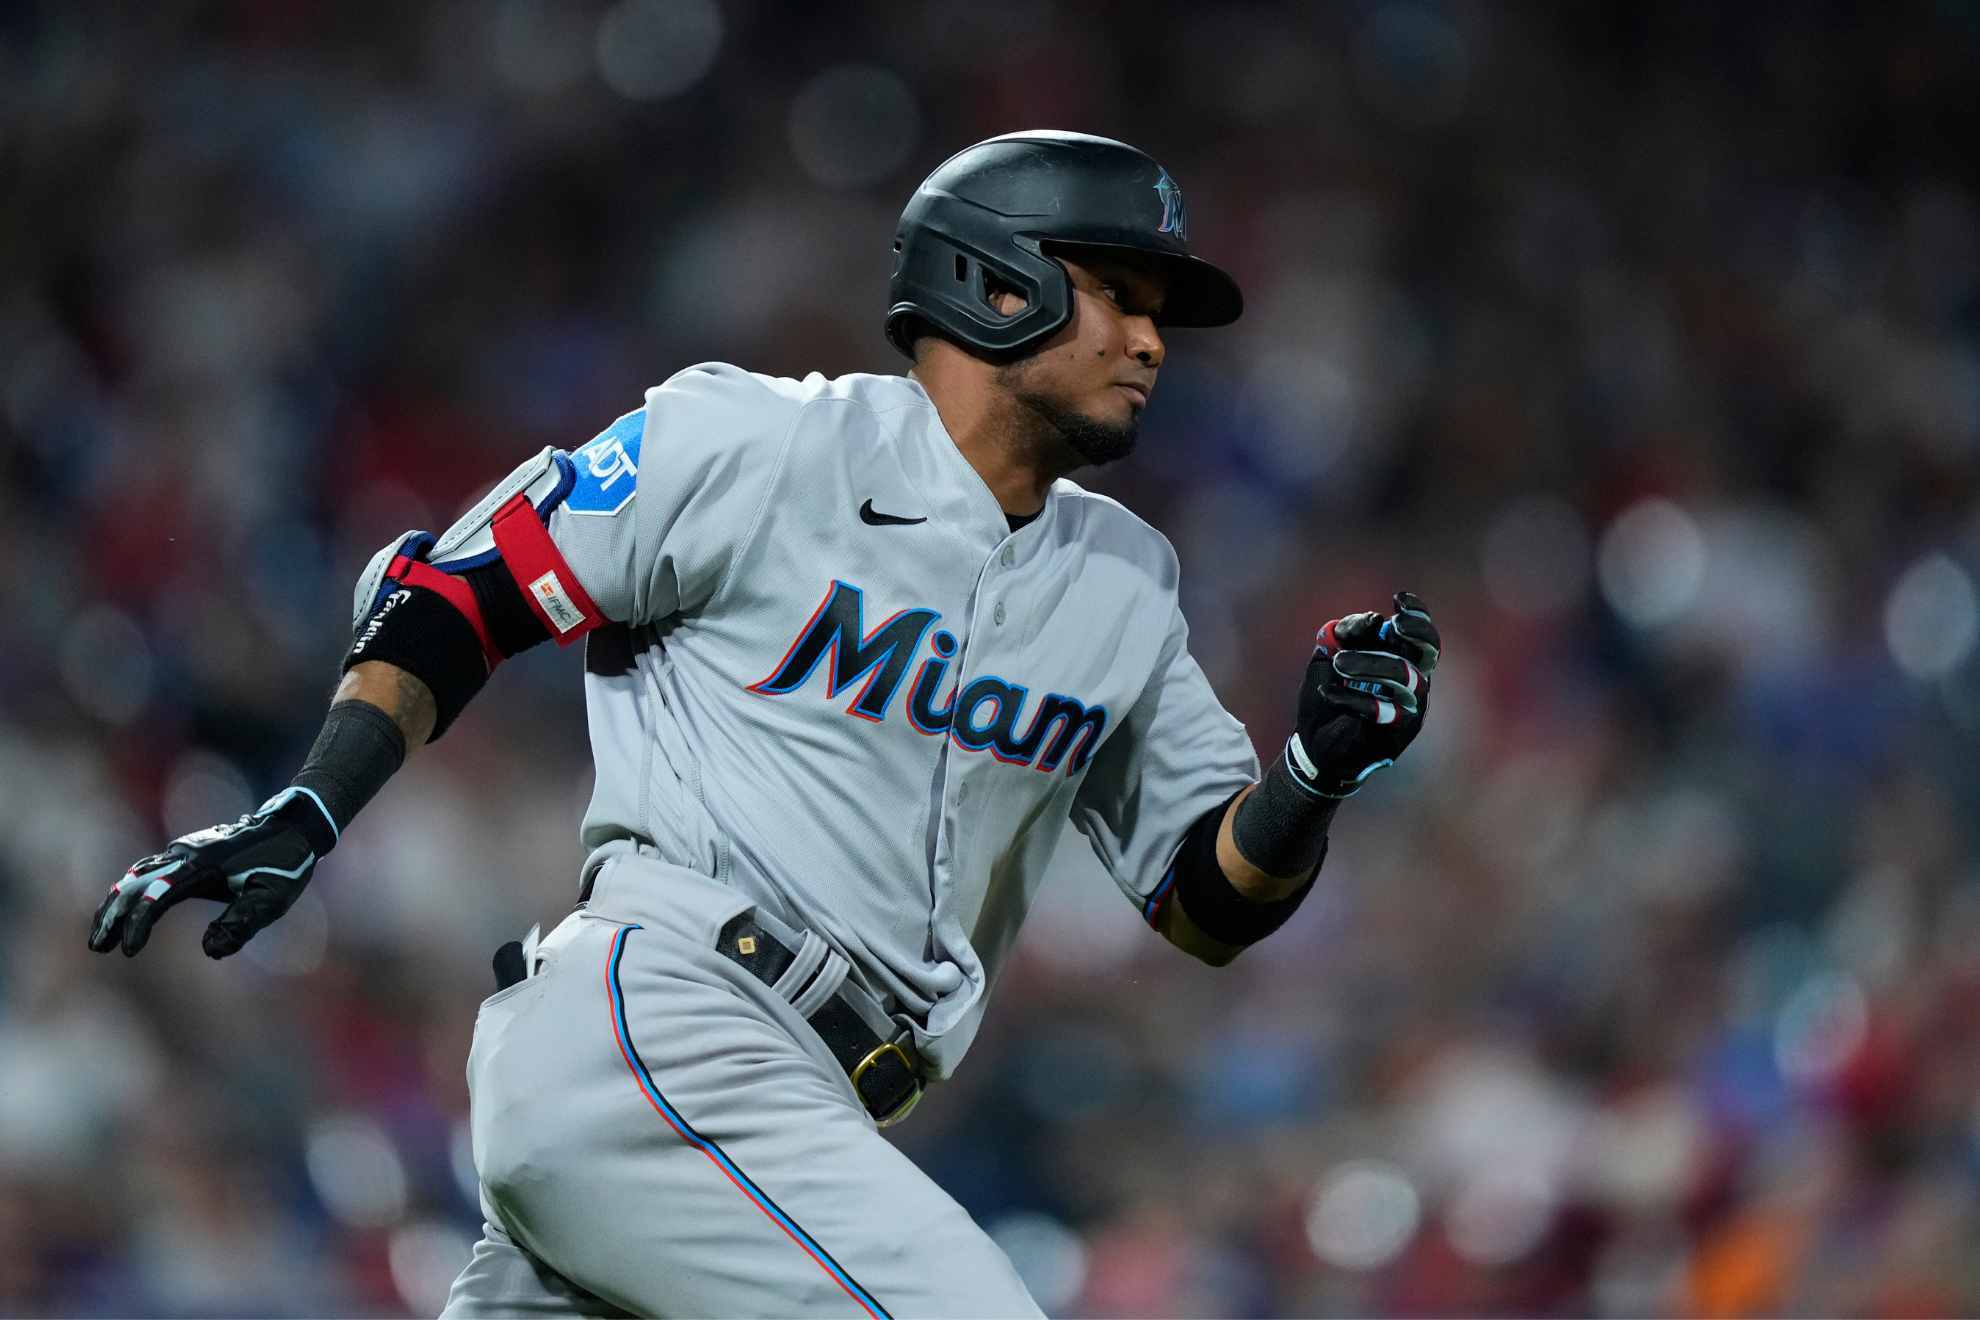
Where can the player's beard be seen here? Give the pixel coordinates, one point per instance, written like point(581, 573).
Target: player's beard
point(1087, 440)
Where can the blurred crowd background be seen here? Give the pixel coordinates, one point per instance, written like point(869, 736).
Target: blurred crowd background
point(1642, 340)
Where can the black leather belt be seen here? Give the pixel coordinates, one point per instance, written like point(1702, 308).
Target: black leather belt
point(884, 1073)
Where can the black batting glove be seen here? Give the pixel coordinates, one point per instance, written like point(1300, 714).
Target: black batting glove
point(257, 866)
point(1363, 698)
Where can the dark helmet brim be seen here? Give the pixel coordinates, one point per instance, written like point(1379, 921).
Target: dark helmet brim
point(1200, 293)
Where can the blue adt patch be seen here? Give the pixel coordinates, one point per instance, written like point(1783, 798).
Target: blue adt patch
point(608, 468)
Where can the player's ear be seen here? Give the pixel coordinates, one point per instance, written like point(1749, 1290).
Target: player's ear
point(1004, 299)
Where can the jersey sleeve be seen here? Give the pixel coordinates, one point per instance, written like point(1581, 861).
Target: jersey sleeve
point(658, 503)
point(1178, 754)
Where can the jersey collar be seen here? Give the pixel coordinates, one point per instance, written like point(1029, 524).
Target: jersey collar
point(956, 492)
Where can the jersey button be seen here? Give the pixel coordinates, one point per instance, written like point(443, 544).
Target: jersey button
point(998, 613)
point(1009, 556)
point(962, 794)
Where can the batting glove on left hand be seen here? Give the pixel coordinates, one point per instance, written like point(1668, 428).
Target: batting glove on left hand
point(1364, 696)
point(257, 866)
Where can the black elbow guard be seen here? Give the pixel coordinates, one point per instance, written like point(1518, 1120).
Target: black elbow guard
point(450, 624)
point(504, 588)
point(1210, 901)
point(420, 631)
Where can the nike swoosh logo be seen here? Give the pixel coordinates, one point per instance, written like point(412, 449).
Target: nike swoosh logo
point(872, 519)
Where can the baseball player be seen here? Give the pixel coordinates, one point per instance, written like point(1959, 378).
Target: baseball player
point(856, 651)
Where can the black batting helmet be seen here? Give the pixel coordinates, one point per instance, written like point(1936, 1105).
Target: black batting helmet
point(995, 209)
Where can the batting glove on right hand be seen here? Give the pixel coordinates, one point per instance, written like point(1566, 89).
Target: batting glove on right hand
point(1364, 696)
point(257, 866)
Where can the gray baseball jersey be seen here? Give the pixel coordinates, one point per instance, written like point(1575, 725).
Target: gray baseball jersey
point(839, 682)
point(836, 688)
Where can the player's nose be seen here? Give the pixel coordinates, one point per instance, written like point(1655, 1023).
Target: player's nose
point(1144, 343)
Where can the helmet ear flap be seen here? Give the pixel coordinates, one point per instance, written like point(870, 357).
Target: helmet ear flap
point(984, 285)
point(954, 284)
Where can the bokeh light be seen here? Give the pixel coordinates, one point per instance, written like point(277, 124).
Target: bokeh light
point(202, 788)
point(1932, 617)
point(355, 1169)
point(1363, 1215)
point(538, 46)
point(1820, 1027)
point(1499, 1217)
point(1048, 1256)
point(854, 125)
point(424, 1256)
point(1651, 562)
point(1643, 1150)
point(106, 664)
point(1412, 63)
point(649, 49)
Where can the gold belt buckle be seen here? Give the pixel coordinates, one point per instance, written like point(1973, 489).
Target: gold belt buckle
point(906, 1106)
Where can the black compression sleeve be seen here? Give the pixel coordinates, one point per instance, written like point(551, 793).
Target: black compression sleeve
point(420, 632)
point(1282, 828)
point(359, 748)
point(1210, 901)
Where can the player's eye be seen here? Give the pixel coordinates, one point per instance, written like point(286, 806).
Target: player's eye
point(1112, 293)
